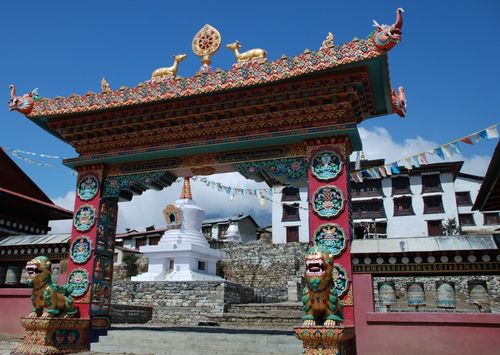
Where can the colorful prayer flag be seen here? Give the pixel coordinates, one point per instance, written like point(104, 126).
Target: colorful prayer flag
point(423, 159)
point(466, 140)
point(492, 132)
point(439, 152)
point(388, 169)
point(447, 151)
point(395, 168)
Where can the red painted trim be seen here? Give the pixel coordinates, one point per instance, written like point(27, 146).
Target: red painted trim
point(475, 319)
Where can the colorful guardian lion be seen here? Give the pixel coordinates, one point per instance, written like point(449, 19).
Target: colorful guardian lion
point(320, 299)
point(49, 299)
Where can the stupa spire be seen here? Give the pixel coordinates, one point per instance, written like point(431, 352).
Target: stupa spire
point(186, 189)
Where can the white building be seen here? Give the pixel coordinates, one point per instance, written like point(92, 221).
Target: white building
point(290, 215)
point(414, 203)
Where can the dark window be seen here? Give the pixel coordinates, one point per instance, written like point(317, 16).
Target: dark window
point(401, 185)
point(431, 183)
point(290, 193)
point(368, 209)
point(202, 265)
point(403, 206)
point(290, 213)
point(463, 198)
point(292, 234)
point(367, 188)
point(154, 240)
point(434, 227)
point(491, 218)
point(170, 264)
point(222, 230)
point(433, 204)
point(370, 230)
point(207, 231)
point(139, 243)
point(466, 219)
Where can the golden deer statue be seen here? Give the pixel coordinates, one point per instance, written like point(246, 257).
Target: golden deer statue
point(169, 71)
point(249, 55)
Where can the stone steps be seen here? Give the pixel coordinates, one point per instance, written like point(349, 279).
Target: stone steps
point(272, 315)
point(197, 341)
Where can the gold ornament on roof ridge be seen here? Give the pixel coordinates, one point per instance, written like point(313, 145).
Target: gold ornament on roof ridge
point(206, 43)
point(171, 70)
point(329, 41)
point(104, 85)
point(252, 54)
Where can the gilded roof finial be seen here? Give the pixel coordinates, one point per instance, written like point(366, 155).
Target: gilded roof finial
point(206, 43)
point(329, 41)
point(186, 189)
point(104, 85)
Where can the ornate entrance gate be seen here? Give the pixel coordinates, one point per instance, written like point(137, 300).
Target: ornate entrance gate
point(290, 121)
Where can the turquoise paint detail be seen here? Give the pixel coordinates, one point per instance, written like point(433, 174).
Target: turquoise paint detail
point(151, 154)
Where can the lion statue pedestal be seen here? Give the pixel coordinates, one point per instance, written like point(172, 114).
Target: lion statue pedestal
point(323, 340)
point(52, 327)
point(46, 335)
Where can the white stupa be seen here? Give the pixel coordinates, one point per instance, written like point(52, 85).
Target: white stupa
point(183, 253)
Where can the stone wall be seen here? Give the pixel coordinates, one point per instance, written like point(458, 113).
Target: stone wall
point(462, 295)
point(181, 303)
point(266, 268)
point(130, 314)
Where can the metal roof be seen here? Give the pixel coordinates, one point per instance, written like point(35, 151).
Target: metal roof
point(19, 240)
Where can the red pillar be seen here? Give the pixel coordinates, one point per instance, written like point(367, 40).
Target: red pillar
point(330, 209)
point(90, 264)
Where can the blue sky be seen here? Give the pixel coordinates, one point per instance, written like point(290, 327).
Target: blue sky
point(447, 60)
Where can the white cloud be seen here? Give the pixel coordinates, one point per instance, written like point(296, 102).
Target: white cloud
point(67, 201)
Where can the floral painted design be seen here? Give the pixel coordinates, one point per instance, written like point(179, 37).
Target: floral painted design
point(340, 280)
point(84, 218)
point(331, 236)
point(81, 250)
point(87, 187)
point(328, 201)
point(326, 165)
point(78, 281)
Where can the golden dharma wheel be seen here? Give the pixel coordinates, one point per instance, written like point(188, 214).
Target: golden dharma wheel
point(206, 43)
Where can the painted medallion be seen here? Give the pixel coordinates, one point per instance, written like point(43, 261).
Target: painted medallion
point(326, 165)
point(332, 237)
point(78, 280)
point(328, 201)
point(340, 279)
point(87, 187)
point(81, 250)
point(84, 218)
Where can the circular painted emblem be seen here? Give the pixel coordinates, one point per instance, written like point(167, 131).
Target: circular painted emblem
point(326, 165)
point(328, 201)
point(84, 218)
point(78, 280)
point(332, 237)
point(80, 250)
point(340, 279)
point(87, 187)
